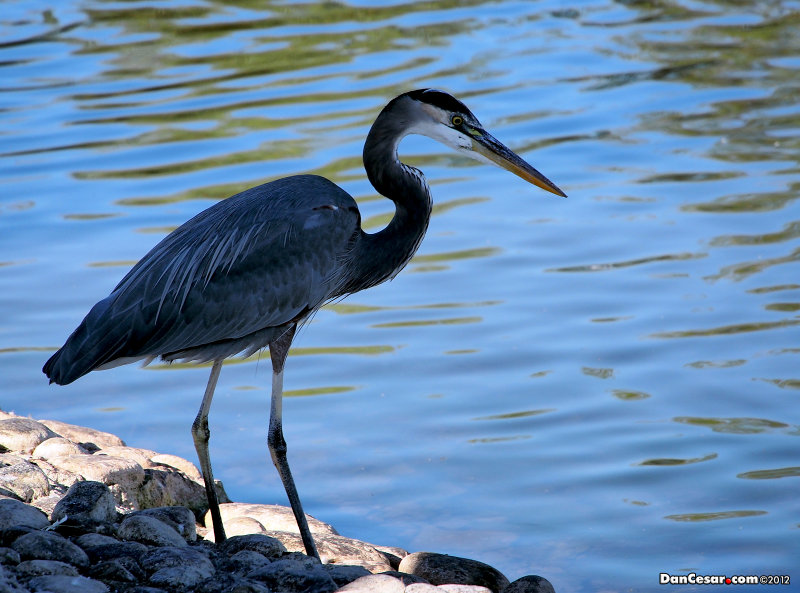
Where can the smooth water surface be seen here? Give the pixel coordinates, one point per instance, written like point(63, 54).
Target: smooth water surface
point(596, 389)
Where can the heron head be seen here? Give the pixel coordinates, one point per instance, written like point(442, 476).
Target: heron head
point(444, 118)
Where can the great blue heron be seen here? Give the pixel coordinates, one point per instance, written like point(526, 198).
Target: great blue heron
point(244, 273)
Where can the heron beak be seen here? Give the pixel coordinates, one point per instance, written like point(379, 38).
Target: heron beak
point(488, 146)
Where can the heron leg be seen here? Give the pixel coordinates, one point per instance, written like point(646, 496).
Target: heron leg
point(278, 351)
point(201, 434)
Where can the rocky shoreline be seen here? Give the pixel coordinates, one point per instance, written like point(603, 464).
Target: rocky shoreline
point(80, 512)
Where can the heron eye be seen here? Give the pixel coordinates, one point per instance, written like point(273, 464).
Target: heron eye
point(456, 120)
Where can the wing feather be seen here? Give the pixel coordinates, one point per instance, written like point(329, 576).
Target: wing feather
point(261, 259)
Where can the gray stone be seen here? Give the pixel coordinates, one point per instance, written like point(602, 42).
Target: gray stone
point(423, 588)
point(441, 569)
point(103, 468)
point(461, 589)
point(408, 579)
point(121, 570)
point(243, 526)
point(150, 531)
point(135, 454)
point(15, 513)
point(272, 517)
point(175, 568)
point(375, 583)
point(530, 584)
point(35, 568)
point(55, 446)
point(8, 556)
point(171, 557)
point(24, 480)
point(8, 582)
point(345, 574)
point(179, 463)
point(65, 584)
point(88, 438)
point(178, 518)
point(89, 540)
point(166, 486)
point(336, 549)
point(46, 545)
point(112, 551)
point(226, 583)
point(393, 555)
point(264, 545)
point(290, 575)
point(23, 434)
point(246, 561)
point(86, 504)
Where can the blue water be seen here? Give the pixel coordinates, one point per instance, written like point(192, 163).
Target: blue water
point(597, 389)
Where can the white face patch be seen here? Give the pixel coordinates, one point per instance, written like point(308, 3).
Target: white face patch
point(437, 126)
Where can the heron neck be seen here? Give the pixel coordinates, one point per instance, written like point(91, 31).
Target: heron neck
point(385, 253)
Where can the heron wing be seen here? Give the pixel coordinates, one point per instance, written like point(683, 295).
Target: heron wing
point(260, 259)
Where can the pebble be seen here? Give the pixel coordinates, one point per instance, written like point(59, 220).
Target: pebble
point(150, 531)
point(441, 569)
point(86, 504)
point(23, 434)
point(123, 519)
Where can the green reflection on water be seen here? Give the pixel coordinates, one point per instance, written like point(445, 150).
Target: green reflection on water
point(676, 461)
point(701, 517)
point(734, 425)
point(771, 474)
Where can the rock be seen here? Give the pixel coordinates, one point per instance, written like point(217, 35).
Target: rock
point(175, 568)
point(375, 583)
point(243, 526)
point(103, 468)
point(343, 550)
point(165, 486)
point(23, 480)
point(150, 531)
point(290, 575)
point(113, 551)
point(47, 504)
point(230, 584)
point(57, 446)
point(178, 518)
point(120, 570)
point(46, 545)
point(35, 568)
point(23, 434)
point(423, 588)
point(462, 589)
point(408, 579)
point(66, 584)
point(89, 438)
point(272, 517)
point(262, 544)
point(140, 456)
point(179, 463)
point(393, 555)
point(89, 540)
point(530, 584)
point(8, 556)
point(246, 561)
point(441, 569)
point(344, 574)
point(86, 504)
point(15, 513)
point(60, 479)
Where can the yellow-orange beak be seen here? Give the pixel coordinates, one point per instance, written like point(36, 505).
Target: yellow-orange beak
point(488, 146)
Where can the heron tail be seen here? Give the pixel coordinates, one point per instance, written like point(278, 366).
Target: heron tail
point(95, 342)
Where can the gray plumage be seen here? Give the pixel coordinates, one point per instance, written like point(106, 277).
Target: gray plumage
point(242, 274)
